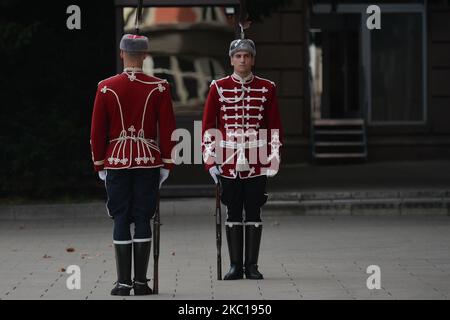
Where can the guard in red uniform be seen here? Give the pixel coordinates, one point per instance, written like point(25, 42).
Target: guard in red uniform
point(130, 109)
point(242, 137)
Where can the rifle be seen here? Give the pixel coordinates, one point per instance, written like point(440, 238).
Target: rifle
point(218, 233)
point(156, 235)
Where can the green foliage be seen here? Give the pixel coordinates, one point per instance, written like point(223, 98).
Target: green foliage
point(15, 36)
point(48, 86)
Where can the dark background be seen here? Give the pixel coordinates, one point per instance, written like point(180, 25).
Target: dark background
point(48, 82)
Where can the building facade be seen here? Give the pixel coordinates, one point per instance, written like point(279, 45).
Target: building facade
point(347, 92)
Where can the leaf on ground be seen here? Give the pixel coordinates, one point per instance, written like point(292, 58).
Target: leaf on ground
point(86, 256)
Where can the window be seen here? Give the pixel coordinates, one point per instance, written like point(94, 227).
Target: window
point(189, 47)
point(189, 77)
point(397, 69)
point(381, 72)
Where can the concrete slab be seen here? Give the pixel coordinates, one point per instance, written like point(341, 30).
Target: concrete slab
point(301, 257)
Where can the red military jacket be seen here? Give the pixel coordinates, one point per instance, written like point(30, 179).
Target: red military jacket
point(128, 108)
point(240, 109)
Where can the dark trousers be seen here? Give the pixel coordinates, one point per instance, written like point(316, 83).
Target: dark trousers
point(132, 198)
point(244, 194)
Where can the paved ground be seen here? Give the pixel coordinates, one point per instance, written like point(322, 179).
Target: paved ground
point(302, 257)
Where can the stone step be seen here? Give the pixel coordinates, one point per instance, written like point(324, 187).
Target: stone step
point(395, 202)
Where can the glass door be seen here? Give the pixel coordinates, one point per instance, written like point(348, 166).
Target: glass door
point(335, 51)
point(378, 75)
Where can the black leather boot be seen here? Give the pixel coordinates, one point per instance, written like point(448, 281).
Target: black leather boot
point(252, 242)
point(123, 265)
point(141, 257)
point(235, 239)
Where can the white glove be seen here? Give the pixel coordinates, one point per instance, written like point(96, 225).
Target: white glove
point(102, 175)
point(163, 175)
point(215, 172)
point(271, 173)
